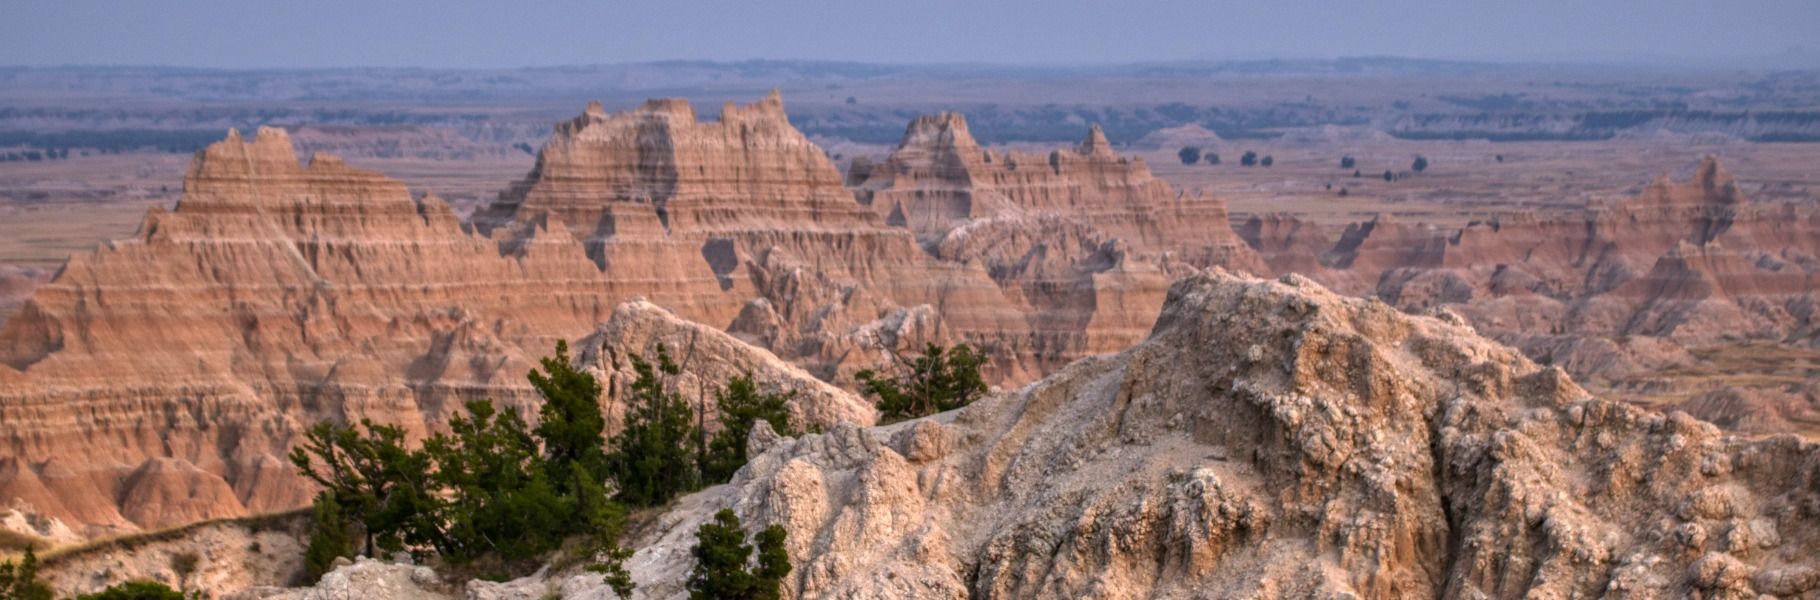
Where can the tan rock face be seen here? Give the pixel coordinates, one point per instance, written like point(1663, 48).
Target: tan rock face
point(161, 379)
point(1274, 439)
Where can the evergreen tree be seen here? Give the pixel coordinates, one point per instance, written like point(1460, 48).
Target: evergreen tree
point(1189, 155)
point(1346, 162)
point(1210, 158)
point(1248, 159)
point(722, 555)
point(570, 422)
point(20, 582)
point(136, 590)
point(1267, 161)
point(654, 456)
point(331, 536)
point(938, 380)
point(501, 498)
point(1420, 165)
point(1389, 176)
point(384, 485)
point(741, 405)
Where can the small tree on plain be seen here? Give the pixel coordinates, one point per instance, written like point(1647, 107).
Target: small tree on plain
point(1267, 161)
point(1210, 158)
point(1189, 155)
point(1389, 176)
point(1346, 162)
point(1248, 159)
point(1420, 165)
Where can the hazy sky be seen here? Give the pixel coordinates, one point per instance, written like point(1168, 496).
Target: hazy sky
point(455, 33)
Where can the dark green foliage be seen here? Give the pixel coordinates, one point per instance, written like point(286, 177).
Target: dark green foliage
point(376, 480)
point(1356, 173)
point(1189, 155)
point(1267, 161)
point(741, 405)
point(722, 556)
point(1346, 162)
point(491, 486)
point(570, 422)
point(136, 590)
point(654, 457)
point(1389, 176)
point(1250, 158)
point(331, 536)
point(501, 498)
point(20, 581)
point(1420, 165)
point(1210, 158)
point(938, 380)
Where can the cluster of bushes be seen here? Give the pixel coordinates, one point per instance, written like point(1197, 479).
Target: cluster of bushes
point(494, 486)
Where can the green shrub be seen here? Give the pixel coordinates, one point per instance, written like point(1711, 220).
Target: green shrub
point(136, 590)
point(723, 569)
point(741, 405)
point(20, 581)
point(654, 457)
point(941, 379)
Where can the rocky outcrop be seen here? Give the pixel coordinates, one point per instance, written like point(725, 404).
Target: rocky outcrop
point(1272, 439)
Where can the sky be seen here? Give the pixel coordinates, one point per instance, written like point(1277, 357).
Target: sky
point(466, 34)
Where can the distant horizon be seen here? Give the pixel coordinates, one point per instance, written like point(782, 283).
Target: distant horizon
point(1664, 63)
point(469, 34)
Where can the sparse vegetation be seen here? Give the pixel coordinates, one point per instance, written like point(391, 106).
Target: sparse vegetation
point(138, 590)
point(1248, 159)
point(1189, 155)
point(490, 487)
point(1210, 158)
point(1267, 161)
point(724, 568)
point(654, 457)
point(940, 379)
point(20, 581)
point(741, 406)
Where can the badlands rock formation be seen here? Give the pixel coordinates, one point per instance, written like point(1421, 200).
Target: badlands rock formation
point(160, 379)
point(1270, 439)
point(1614, 296)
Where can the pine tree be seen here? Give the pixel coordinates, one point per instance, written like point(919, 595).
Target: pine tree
point(570, 422)
point(654, 456)
point(376, 479)
point(741, 405)
point(20, 582)
point(331, 536)
point(501, 497)
point(722, 555)
point(938, 380)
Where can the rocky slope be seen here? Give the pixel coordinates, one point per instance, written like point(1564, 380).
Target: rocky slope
point(1270, 439)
